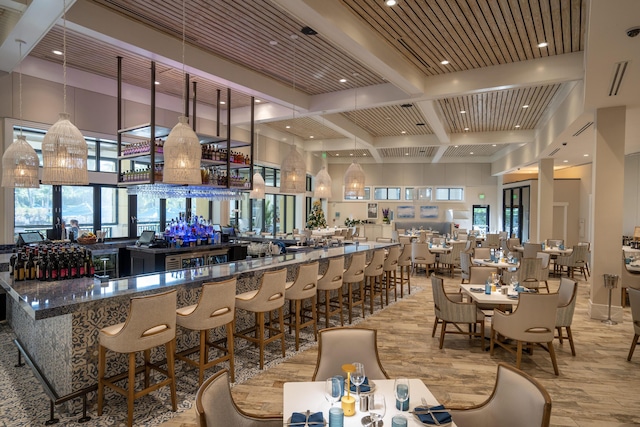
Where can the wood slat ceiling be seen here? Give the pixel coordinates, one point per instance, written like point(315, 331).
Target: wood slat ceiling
point(305, 127)
point(241, 31)
point(408, 152)
point(8, 20)
point(91, 55)
point(481, 150)
point(391, 120)
point(349, 153)
point(475, 33)
point(497, 111)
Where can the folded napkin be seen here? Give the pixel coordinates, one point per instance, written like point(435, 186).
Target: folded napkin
point(364, 387)
point(300, 419)
point(442, 417)
point(488, 260)
point(476, 289)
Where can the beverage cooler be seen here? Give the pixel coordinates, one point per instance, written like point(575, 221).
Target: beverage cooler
point(195, 259)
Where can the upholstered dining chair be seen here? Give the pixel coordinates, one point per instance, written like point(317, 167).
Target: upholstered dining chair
point(544, 265)
point(453, 296)
point(515, 396)
point(531, 250)
point(482, 253)
point(512, 243)
point(404, 240)
point(456, 313)
point(465, 265)
point(634, 301)
point(554, 243)
point(568, 294)
point(329, 282)
point(577, 260)
point(491, 241)
point(628, 279)
point(215, 406)
point(338, 346)
point(404, 262)
point(478, 273)
point(533, 321)
point(530, 272)
point(452, 259)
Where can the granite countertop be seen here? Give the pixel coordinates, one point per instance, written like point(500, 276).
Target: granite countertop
point(201, 248)
point(48, 299)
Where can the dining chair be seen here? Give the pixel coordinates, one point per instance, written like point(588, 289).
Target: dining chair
point(568, 294)
point(465, 265)
point(555, 243)
point(491, 241)
point(478, 274)
point(512, 243)
point(339, 346)
point(634, 301)
point(482, 253)
point(588, 245)
point(628, 279)
point(515, 396)
point(303, 288)
point(577, 260)
point(353, 278)
point(544, 265)
point(215, 406)
point(530, 272)
point(531, 250)
point(532, 322)
point(328, 282)
point(404, 262)
point(384, 240)
point(452, 259)
point(420, 255)
point(448, 311)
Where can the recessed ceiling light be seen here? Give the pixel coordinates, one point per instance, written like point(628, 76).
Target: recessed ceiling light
point(287, 127)
point(273, 42)
point(311, 136)
point(403, 132)
point(466, 128)
point(455, 146)
point(565, 161)
point(517, 126)
point(445, 62)
point(406, 154)
point(390, 2)
point(351, 154)
point(364, 155)
point(337, 154)
point(471, 152)
point(258, 101)
point(493, 145)
point(343, 80)
point(463, 112)
point(156, 82)
point(222, 102)
point(525, 106)
point(57, 52)
point(586, 155)
point(543, 44)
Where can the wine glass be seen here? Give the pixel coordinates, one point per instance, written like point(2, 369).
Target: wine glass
point(332, 390)
point(377, 408)
point(401, 388)
point(357, 377)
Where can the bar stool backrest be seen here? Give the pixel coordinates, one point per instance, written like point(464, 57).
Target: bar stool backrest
point(216, 306)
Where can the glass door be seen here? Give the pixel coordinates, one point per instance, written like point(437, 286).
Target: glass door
point(481, 218)
point(515, 221)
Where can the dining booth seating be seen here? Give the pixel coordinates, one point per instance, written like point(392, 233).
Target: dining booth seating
point(338, 346)
point(516, 399)
point(215, 406)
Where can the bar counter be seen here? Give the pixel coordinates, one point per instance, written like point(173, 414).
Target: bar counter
point(57, 323)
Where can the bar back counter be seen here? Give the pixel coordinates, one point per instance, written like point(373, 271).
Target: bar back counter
point(57, 323)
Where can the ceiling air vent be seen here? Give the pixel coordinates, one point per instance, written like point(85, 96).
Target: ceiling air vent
point(619, 69)
point(583, 128)
point(554, 152)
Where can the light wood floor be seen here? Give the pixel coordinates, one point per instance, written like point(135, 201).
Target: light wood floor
point(598, 387)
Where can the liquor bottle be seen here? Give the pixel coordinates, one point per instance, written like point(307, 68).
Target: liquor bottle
point(62, 266)
point(12, 262)
point(41, 268)
point(18, 273)
point(53, 267)
point(30, 268)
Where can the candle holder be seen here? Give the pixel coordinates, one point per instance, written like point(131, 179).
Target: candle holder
point(348, 401)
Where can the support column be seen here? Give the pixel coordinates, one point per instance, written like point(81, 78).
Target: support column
point(607, 207)
point(545, 200)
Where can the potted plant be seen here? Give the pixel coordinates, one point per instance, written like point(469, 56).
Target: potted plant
point(385, 216)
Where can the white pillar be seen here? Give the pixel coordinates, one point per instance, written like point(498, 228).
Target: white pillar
point(607, 207)
point(545, 199)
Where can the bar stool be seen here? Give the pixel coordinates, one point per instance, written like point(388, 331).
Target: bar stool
point(304, 287)
point(327, 282)
point(215, 308)
point(267, 298)
point(404, 262)
point(390, 269)
point(354, 275)
point(151, 322)
point(372, 272)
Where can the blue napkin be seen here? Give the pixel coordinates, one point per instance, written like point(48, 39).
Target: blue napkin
point(300, 419)
point(442, 417)
point(476, 289)
point(364, 387)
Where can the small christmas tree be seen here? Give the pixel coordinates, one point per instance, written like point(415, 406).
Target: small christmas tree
point(316, 217)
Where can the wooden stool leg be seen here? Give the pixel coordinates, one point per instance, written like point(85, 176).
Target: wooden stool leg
point(131, 390)
point(341, 313)
point(327, 305)
point(297, 317)
point(314, 314)
point(203, 356)
point(102, 354)
point(171, 348)
point(260, 336)
point(281, 312)
point(147, 369)
point(230, 328)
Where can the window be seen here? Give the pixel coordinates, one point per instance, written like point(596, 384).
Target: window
point(114, 211)
point(148, 214)
point(481, 218)
point(417, 193)
point(33, 209)
point(454, 194)
point(77, 203)
point(386, 193)
point(367, 194)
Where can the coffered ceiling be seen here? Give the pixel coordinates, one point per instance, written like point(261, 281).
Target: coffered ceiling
point(370, 83)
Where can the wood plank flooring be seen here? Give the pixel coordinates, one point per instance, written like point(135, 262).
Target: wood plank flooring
point(598, 387)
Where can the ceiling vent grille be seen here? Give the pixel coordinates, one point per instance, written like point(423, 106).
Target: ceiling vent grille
point(619, 70)
point(582, 129)
point(413, 53)
point(554, 152)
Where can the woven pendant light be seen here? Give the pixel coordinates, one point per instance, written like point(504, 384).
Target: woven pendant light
point(293, 173)
point(182, 155)
point(64, 150)
point(20, 162)
point(323, 185)
point(354, 182)
point(258, 187)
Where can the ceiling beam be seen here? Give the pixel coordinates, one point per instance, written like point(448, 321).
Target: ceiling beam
point(434, 119)
point(353, 131)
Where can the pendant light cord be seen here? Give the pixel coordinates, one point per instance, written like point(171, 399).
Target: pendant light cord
point(20, 83)
point(294, 37)
point(64, 56)
point(183, 43)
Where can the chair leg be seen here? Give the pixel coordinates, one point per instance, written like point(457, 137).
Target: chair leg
point(442, 332)
point(314, 315)
point(519, 354)
point(131, 388)
point(102, 353)
point(260, 336)
point(361, 288)
point(171, 348)
point(297, 317)
point(204, 355)
point(435, 326)
point(633, 346)
point(493, 337)
point(282, 345)
point(147, 368)
point(559, 329)
point(552, 353)
point(570, 337)
point(350, 301)
point(230, 328)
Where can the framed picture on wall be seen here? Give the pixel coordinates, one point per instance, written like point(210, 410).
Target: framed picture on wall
point(406, 212)
point(428, 212)
point(372, 210)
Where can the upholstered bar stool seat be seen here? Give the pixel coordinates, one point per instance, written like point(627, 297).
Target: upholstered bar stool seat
point(373, 278)
point(215, 308)
point(269, 297)
point(303, 288)
point(353, 277)
point(151, 322)
point(328, 282)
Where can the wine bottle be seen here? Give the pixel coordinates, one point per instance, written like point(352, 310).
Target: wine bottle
point(18, 274)
point(12, 262)
point(30, 268)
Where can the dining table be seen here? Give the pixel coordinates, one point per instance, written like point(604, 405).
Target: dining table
point(500, 265)
point(309, 396)
point(549, 250)
point(439, 249)
point(634, 266)
point(326, 232)
point(475, 292)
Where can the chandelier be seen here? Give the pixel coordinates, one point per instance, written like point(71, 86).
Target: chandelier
point(258, 189)
point(323, 185)
point(354, 176)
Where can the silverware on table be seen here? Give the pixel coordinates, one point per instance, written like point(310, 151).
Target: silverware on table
point(430, 412)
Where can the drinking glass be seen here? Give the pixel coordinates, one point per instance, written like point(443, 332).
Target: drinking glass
point(357, 377)
point(332, 390)
point(401, 387)
point(377, 407)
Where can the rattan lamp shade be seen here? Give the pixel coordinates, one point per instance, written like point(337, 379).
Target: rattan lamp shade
point(258, 187)
point(20, 165)
point(64, 154)
point(182, 155)
point(293, 173)
point(323, 185)
point(354, 182)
